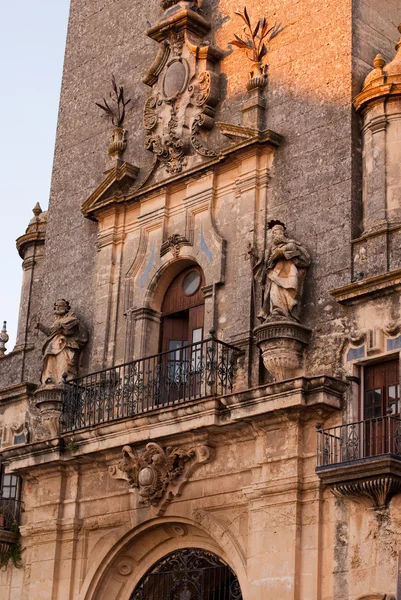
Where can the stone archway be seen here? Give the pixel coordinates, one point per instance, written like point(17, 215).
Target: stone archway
point(189, 574)
point(119, 561)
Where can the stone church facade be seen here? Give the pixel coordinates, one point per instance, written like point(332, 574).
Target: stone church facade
point(204, 397)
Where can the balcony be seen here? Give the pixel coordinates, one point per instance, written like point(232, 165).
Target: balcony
point(362, 460)
point(167, 379)
point(10, 511)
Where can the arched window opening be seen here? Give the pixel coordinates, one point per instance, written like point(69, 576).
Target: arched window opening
point(189, 574)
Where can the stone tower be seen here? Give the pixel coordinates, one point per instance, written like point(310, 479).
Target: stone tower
point(213, 409)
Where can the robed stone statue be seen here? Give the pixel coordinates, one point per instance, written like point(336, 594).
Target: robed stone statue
point(64, 342)
point(281, 273)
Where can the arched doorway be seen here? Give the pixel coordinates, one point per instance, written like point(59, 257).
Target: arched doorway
point(189, 574)
point(183, 310)
point(181, 335)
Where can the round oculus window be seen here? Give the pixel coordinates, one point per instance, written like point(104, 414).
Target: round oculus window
point(191, 283)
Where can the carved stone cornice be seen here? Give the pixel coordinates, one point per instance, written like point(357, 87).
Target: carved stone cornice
point(371, 481)
point(118, 182)
point(376, 93)
point(186, 19)
point(28, 239)
point(17, 393)
point(102, 199)
point(372, 286)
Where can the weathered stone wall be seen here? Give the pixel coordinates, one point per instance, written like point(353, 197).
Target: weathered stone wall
point(281, 531)
point(309, 102)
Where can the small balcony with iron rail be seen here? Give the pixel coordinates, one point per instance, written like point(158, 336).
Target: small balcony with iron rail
point(168, 379)
point(361, 460)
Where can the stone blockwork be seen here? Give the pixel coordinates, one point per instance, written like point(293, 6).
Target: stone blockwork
point(195, 175)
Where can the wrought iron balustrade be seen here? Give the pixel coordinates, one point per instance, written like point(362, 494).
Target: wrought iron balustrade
point(360, 440)
point(195, 371)
point(10, 512)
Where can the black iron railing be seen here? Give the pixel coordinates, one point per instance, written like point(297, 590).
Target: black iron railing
point(360, 440)
point(10, 512)
point(174, 377)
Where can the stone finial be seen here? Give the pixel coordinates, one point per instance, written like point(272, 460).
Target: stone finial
point(37, 210)
point(4, 337)
point(378, 61)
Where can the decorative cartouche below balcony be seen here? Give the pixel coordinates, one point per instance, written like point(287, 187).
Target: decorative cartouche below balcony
point(362, 460)
point(167, 379)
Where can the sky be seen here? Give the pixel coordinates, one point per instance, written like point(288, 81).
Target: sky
point(32, 44)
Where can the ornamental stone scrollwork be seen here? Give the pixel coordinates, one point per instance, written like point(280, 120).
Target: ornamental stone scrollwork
point(185, 88)
point(158, 473)
point(173, 244)
point(280, 275)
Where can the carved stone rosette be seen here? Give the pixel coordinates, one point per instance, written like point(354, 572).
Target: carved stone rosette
point(158, 473)
point(282, 345)
point(185, 89)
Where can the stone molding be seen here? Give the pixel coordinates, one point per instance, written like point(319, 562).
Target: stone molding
point(117, 183)
point(314, 397)
point(106, 195)
point(379, 284)
point(371, 482)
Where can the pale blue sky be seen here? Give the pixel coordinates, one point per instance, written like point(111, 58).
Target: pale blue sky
point(32, 43)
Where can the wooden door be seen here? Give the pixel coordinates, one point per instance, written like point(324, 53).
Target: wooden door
point(381, 401)
point(182, 326)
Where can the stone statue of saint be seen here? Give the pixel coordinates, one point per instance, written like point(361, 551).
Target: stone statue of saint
point(281, 273)
point(62, 348)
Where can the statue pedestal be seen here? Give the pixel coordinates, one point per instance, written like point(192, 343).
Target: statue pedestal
point(282, 344)
point(49, 401)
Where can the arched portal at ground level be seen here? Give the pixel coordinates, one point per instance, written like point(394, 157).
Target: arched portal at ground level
point(125, 563)
point(189, 574)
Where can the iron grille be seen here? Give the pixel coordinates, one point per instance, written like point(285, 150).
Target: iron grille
point(189, 574)
point(10, 511)
point(194, 371)
point(359, 440)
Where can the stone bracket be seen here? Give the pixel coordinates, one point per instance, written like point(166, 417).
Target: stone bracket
point(371, 482)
